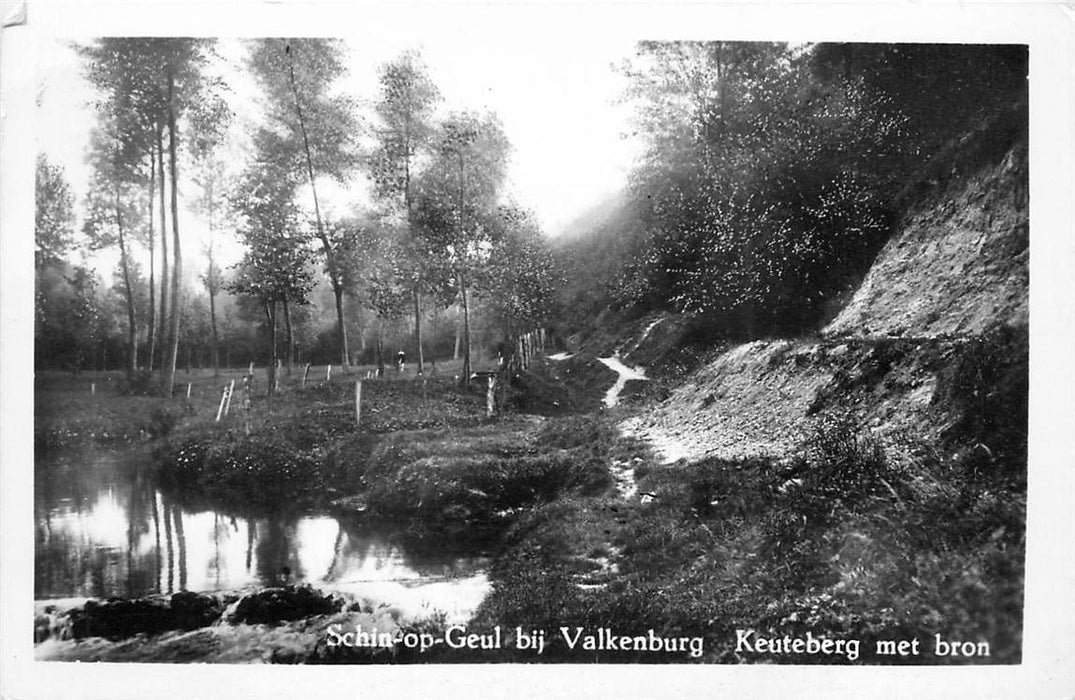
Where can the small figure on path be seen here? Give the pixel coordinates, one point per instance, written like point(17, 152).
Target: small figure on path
point(400, 358)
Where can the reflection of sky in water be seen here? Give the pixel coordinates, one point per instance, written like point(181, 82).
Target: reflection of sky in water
point(105, 530)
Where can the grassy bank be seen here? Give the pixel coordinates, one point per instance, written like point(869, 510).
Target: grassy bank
point(844, 544)
point(850, 538)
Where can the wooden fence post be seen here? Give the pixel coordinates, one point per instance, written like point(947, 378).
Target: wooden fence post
point(188, 390)
point(490, 397)
point(246, 402)
point(358, 402)
point(220, 409)
point(231, 390)
point(328, 374)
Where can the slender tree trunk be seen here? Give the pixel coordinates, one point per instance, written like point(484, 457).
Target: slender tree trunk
point(330, 255)
point(162, 332)
point(216, 337)
point(458, 339)
point(380, 347)
point(418, 324)
point(462, 282)
point(177, 257)
point(341, 327)
point(433, 325)
point(270, 316)
point(289, 358)
point(151, 322)
point(466, 333)
point(212, 288)
point(132, 330)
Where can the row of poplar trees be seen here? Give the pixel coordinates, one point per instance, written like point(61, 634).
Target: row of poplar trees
point(147, 88)
point(437, 218)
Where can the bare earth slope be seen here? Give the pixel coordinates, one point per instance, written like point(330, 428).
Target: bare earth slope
point(956, 267)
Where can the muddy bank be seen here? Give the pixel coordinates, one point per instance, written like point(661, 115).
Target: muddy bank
point(765, 398)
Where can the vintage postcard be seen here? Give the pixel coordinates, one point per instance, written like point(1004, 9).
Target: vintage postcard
point(570, 349)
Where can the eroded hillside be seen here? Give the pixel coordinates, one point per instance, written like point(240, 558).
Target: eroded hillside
point(954, 272)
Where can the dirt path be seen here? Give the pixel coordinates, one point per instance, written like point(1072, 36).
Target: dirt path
point(625, 374)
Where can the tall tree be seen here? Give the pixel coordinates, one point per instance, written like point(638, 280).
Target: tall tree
point(520, 275)
point(457, 194)
point(54, 218)
point(114, 211)
point(149, 86)
point(275, 269)
point(317, 130)
point(210, 120)
point(405, 112)
point(383, 281)
point(209, 177)
point(189, 94)
point(127, 75)
point(54, 223)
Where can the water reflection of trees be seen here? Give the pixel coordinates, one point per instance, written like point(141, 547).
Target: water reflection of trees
point(92, 510)
point(277, 554)
point(104, 528)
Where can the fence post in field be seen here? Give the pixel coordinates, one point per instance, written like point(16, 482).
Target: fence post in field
point(220, 409)
point(246, 403)
point(328, 374)
point(305, 374)
point(188, 390)
point(358, 402)
point(231, 390)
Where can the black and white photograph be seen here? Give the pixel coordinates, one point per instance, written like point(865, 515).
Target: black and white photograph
point(460, 345)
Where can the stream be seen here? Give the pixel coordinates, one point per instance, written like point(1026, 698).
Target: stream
point(104, 528)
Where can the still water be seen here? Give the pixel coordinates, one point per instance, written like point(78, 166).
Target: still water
point(104, 528)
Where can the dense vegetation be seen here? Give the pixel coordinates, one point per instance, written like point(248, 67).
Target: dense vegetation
point(771, 177)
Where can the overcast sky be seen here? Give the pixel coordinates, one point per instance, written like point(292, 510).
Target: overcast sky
point(559, 105)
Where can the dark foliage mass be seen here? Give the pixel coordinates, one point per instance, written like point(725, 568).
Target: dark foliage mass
point(772, 175)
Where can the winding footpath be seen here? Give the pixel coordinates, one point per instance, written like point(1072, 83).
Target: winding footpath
point(625, 374)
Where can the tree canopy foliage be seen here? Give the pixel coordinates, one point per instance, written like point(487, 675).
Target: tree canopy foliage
point(54, 217)
point(770, 174)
